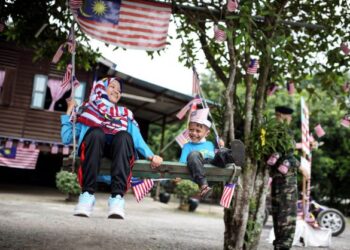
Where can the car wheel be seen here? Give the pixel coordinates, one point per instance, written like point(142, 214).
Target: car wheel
point(332, 219)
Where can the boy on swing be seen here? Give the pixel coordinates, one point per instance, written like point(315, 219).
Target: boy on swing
point(198, 151)
point(105, 129)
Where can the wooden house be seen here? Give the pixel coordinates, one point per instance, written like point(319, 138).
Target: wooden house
point(25, 99)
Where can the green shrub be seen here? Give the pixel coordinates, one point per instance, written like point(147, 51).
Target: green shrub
point(67, 182)
point(185, 189)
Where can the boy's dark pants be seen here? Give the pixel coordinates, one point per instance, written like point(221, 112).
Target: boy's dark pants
point(120, 150)
point(195, 163)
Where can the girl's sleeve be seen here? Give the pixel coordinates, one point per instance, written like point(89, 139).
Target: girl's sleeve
point(139, 142)
point(66, 129)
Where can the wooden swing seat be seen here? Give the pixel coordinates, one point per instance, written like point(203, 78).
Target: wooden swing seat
point(172, 170)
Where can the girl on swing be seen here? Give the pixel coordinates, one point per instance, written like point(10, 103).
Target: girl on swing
point(199, 151)
point(105, 129)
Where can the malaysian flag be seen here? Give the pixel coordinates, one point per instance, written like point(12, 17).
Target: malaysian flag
point(227, 195)
point(75, 5)
point(219, 34)
point(195, 84)
point(183, 138)
point(67, 76)
point(232, 5)
point(253, 66)
point(197, 100)
point(24, 158)
point(141, 188)
point(135, 24)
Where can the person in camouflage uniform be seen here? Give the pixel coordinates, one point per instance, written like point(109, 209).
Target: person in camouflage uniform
point(284, 193)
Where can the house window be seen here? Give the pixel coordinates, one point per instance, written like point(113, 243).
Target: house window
point(48, 94)
point(39, 91)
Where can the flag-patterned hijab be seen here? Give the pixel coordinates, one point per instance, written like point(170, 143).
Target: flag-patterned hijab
point(100, 112)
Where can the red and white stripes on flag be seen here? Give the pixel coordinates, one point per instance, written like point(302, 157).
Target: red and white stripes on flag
point(253, 66)
point(195, 83)
point(232, 5)
point(25, 158)
point(183, 138)
point(141, 188)
point(227, 195)
point(197, 100)
point(67, 76)
point(219, 34)
point(75, 4)
point(136, 24)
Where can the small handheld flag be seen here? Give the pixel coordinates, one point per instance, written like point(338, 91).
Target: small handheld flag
point(232, 5)
point(141, 188)
point(183, 138)
point(319, 131)
point(227, 195)
point(253, 66)
point(219, 34)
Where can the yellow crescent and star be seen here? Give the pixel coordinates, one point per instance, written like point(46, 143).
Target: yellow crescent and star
point(99, 8)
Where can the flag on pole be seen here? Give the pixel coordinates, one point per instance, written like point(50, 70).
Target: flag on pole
point(197, 100)
point(253, 66)
point(24, 158)
point(134, 24)
point(195, 83)
point(67, 76)
point(75, 5)
point(319, 131)
point(71, 43)
point(232, 5)
point(219, 34)
point(227, 195)
point(183, 138)
point(141, 188)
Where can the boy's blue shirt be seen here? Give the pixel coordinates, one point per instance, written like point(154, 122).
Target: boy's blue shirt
point(81, 129)
point(206, 148)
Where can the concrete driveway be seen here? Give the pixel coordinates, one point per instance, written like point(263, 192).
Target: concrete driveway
point(39, 218)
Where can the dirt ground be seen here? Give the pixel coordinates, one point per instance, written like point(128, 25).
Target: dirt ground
point(39, 218)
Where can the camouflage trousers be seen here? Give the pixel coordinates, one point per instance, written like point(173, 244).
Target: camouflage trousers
point(284, 210)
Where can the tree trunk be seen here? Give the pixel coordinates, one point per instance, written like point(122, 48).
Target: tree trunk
point(236, 218)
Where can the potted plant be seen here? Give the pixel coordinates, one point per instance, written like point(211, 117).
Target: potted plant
point(67, 183)
point(184, 190)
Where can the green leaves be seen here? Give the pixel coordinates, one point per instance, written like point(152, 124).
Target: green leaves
point(67, 182)
point(272, 136)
